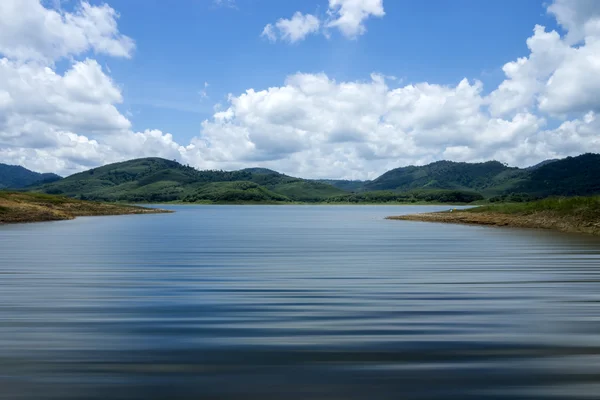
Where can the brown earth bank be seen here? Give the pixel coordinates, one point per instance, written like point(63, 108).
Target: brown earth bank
point(16, 207)
point(566, 214)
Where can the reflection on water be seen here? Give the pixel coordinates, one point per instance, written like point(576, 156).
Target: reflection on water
point(260, 302)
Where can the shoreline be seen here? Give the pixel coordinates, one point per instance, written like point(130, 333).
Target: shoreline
point(177, 203)
point(538, 220)
point(18, 208)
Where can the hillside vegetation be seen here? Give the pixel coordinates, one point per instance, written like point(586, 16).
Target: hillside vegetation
point(17, 177)
point(159, 180)
point(36, 207)
point(414, 196)
point(568, 177)
point(444, 175)
point(234, 192)
point(572, 176)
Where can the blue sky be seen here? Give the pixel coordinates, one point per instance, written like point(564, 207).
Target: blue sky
point(188, 43)
point(312, 88)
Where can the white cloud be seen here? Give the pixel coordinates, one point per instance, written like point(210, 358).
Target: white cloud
point(61, 121)
point(574, 85)
point(578, 17)
point(45, 34)
point(269, 33)
point(312, 125)
point(527, 76)
point(316, 126)
point(292, 30)
point(82, 100)
point(346, 15)
point(558, 77)
point(349, 15)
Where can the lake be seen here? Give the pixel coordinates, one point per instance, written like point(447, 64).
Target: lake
point(296, 302)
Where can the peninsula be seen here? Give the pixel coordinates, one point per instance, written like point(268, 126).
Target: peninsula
point(36, 207)
point(574, 214)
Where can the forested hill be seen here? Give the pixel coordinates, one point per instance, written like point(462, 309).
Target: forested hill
point(446, 175)
point(566, 177)
point(17, 177)
point(160, 180)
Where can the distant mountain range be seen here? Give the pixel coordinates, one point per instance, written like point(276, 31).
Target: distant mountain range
point(17, 177)
point(160, 180)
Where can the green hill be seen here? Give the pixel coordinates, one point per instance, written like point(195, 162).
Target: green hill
point(147, 179)
point(572, 176)
point(160, 180)
point(446, 175)
point(17, 177)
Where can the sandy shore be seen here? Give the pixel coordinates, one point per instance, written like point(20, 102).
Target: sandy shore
point(540, 220)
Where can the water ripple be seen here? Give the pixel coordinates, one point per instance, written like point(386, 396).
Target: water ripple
point(261, 302)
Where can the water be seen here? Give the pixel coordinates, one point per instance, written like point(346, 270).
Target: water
point(296, 302)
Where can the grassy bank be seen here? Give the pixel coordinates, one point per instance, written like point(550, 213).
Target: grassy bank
point(35, 207)
point(575, 214)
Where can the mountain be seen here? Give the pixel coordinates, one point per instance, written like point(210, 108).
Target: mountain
point(158, 180)
point(555, 177)
point(17, 177)
point(447, 175)
point(571, 176)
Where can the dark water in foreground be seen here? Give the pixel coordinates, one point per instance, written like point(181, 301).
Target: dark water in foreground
point(260, 302)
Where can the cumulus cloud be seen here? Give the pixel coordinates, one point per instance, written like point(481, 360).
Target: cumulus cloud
point(44, 34)
point(349, 15)
point(81, 100)
point(59, 122)
point(556, 78)
point(292, 30)
point(65, 123)
point(313, 125)
point(346, 15)
point(578, 17)
point(319, 127)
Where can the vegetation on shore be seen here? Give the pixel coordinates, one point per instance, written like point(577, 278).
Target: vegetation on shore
point(36, 207)
point(573, 214)
point(411, 197)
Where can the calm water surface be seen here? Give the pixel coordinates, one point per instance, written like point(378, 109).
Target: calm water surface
point(296, 302)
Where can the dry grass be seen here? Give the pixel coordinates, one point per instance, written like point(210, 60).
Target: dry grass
point(577, 214)
point(35, 207)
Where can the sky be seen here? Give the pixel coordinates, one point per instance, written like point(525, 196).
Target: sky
point(312, 88)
